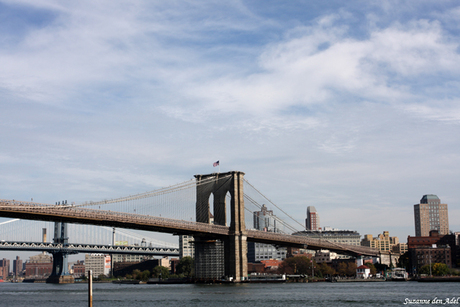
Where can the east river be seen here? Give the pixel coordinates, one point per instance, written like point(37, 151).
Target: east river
point(252, 295)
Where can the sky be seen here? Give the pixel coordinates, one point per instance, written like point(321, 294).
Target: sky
point(349, 106)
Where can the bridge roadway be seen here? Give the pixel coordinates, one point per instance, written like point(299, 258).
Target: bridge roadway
point(69, 214)
point(89, 248)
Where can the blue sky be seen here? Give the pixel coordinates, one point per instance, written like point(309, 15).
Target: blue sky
point(348, 106)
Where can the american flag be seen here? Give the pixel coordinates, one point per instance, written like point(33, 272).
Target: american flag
point(215, 164)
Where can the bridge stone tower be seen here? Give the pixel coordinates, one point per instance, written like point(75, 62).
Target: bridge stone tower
point(212, 258)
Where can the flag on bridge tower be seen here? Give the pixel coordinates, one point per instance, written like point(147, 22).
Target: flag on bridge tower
point(215, 164)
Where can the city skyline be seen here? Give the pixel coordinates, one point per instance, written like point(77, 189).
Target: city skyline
point(351, 107)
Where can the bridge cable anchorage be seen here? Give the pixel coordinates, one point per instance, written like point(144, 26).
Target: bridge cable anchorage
point(303, 227)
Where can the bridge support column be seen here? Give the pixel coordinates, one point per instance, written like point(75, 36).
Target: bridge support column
point(60, 274)
point(235, 245)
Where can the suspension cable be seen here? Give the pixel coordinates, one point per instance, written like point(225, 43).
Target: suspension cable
point(273, 203)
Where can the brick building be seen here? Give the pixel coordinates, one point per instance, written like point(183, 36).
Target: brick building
point(435, 248)
point(4, 268)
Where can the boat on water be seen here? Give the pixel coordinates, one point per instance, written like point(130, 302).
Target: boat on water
point(398, 274)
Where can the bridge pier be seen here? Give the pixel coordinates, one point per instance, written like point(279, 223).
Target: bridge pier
point(234, 248)
point(60, 274)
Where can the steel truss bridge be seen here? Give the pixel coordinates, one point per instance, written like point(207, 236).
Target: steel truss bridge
point(74, 248)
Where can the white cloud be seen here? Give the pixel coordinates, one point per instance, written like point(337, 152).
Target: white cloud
point(114, 98)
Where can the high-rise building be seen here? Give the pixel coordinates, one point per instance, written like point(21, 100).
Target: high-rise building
point(186, 247)
point(429, 215)
point(4, 268)
point(17, 267)
point(312, 220)
point(384, 243)
point(265, 220)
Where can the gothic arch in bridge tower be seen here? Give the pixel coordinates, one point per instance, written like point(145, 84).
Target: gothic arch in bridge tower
point(234, 247)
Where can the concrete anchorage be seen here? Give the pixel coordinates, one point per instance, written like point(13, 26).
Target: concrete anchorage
point(221, 257)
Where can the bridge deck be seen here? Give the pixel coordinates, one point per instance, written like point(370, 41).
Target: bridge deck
point(69, 214)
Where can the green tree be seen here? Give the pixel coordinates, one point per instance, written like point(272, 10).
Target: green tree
point(437, 269)
point(186, 266)
point(137, 274)
point(160, 271)
point(440, 269)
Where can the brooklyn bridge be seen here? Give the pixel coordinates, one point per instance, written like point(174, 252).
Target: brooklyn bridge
point(210, 207)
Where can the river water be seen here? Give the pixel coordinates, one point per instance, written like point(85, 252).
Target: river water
point(252, 295)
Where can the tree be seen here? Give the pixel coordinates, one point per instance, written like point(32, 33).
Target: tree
point(325, 269)
point(161, 272)
point(296, 265)
point(351, 269)
point(137, 274)
point(404, 260)
point(371, 266)
point(440, 269)
point(185, 266)
point(342, 269)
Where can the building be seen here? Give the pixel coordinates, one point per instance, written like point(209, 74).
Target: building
point(40, 265)
point(363, 272)
point(4, 268)
point(333, 235)
point(350, 237)
point(325, 256)
point(99, 263)
point(384, 242)
point(434, 248)
point(78, 269)
point(312, 220)
point(265, 220)
point(429, 215)
point(129, 258)
point(17, 267)
point(186, 246)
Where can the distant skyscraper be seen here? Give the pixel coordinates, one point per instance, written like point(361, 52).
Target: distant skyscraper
point(312, 220)
point(265, 220)
point(429, 215)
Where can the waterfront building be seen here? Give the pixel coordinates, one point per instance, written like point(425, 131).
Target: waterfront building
point(435, 245)
point(423, 255)
point(99, 263)
point(129, 258)
point(429, 215)
point(40, 265)
point(363, 272)
point(78, 269)
point(265, 220)
point(350, 237)
point(384, 242)
point(312, 220)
